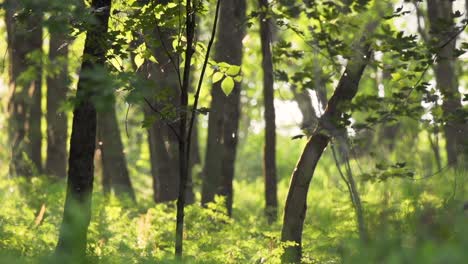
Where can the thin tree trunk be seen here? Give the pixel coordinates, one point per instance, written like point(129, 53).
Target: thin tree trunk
point(77, 209)
point(269, 154)
point(57, 86)
point(296, 202)
point(184, 141)
point(24, 35)
point(443, 30)
point(114, 165)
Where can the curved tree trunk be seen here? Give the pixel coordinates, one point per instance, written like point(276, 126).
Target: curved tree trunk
point(269, 154)
point(296, 202)
point(114, 165)
point(443, 30)
point(224, 114)
point(57, 86)
point(77, 210)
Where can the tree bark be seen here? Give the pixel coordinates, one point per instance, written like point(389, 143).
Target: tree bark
point(165, 189)
point(224, 114)
point(114, 165)
point(214, 146)
point(24, 36)
point(77, 209)
point(36, 109)
point(296, 202)
point(443, 30)
point(57, 86)
point(269, 153)
point(166, 78)
point(304, 102)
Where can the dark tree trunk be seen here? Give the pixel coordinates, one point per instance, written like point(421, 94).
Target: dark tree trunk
point(164, 188)
point(184, 140)
point(224, 114)
point(77, 209)
point(231, 126)
point(443, 30)
point(24, 36)
point(36, 109)
point(296, 202)
point(214, 146)
point(269, 154)
point(166, 79)
point(114, 166)
point(57, 86)
point(233, 14)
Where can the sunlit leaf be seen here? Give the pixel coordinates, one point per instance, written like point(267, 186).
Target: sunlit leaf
point(233, 70)
point(227, 85)
point(139, 60)
point(217, 76)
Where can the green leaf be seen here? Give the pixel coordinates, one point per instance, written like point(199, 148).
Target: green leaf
point(238, 78)
point(139, 60)
point(233, 70)
point(217, 76)
point(227, 85)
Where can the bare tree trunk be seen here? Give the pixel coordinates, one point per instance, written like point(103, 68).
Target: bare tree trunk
point(269, 154)
point(24, 36)
point(304, 102)
point(443, 30)
point(296, 202)
point(57, 86)
point(36, 109)
point(214, 146)
point(223, 119)
point(233, 14)
point(164, 189)
point(77, 209)
point(114, 164)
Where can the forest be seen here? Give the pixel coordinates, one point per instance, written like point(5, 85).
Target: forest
point(234, 131)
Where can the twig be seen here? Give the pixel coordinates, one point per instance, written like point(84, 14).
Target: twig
point(163, 117)
point(202, 74)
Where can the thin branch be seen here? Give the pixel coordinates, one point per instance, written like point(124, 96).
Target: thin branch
point(202, 74)
point(126, 121)
point(168, 54)
point(166, 121)
point(421, 31)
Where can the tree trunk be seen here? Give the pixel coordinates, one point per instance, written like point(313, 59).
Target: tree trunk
point(304, 102)
point(77, 209)
point(166, 79)
point(165, 189)
point(224, 115)
point(232, 26)
point(57, 86)
point(443, 30)
point(24, 36)
point(36, 109)
point(269, 154)
point(114, 165)
point(296, 202)
point(214, 146)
